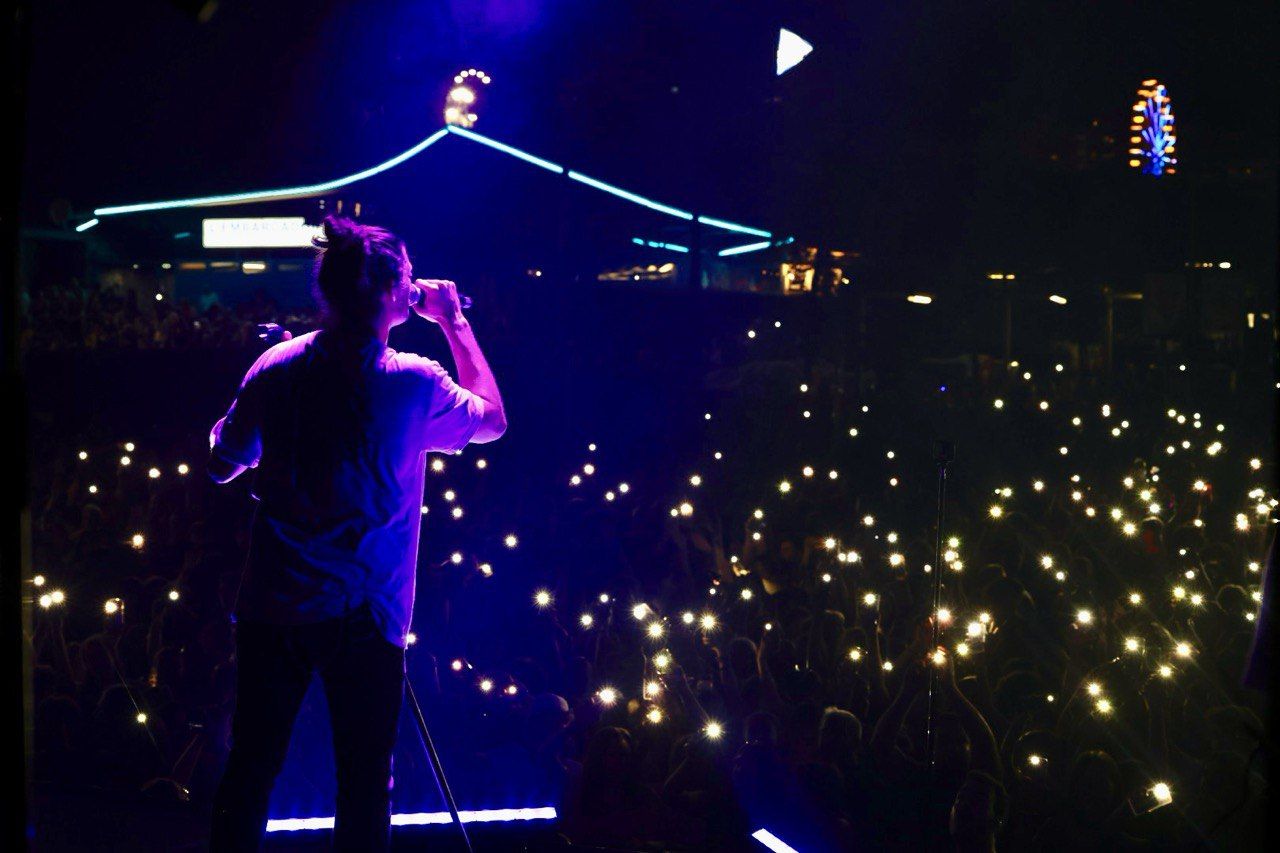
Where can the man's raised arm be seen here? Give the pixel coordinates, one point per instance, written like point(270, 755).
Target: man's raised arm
point(441, 306)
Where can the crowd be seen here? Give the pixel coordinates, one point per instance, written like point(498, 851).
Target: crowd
point(79, 318)
point(679, 645)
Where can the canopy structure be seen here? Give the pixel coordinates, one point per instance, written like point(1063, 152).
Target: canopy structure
point(312, 190)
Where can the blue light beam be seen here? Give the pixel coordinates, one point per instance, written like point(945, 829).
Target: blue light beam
point(773, 842)
point(742, 250)
point(654, 244)
point(277, 195)
point(312, 824)
point(731, 226)
point(328, 186)
point(505, 149)
point(631, 197)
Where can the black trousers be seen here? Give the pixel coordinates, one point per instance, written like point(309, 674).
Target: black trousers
point(363, 678)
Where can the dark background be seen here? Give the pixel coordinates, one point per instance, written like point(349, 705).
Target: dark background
point(934, 137)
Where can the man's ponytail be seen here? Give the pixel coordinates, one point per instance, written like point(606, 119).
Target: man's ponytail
point(355, 266)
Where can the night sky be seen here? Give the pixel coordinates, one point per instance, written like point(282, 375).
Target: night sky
point(916, 131)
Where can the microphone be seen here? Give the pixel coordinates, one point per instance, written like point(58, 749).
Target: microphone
point(415, 296)
point(272, 333)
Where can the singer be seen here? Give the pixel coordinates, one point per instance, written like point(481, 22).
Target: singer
point(338, 425)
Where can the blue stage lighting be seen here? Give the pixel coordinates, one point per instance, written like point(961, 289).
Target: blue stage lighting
point(730, 226)
point(311, 824)
point(773, 842)
point(632, 197)
point(328, 186)
point(741, 250)
point(85, 226)
point(505, 149)
point(653, 244)
point(276, 195)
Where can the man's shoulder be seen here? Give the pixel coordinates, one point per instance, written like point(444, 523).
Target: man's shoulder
point(411, 362)
point(283, 352)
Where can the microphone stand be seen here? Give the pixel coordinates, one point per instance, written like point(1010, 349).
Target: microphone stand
point(944, 452)
point(436, 767)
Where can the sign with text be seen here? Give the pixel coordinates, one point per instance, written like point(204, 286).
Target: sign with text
point(263, 232)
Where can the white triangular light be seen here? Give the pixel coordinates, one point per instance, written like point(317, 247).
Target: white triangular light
point(791, 50)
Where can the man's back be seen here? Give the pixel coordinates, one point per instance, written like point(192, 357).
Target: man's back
point(338, 427)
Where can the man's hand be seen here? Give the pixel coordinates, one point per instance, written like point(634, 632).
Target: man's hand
point(915, 658)
point(439, 302)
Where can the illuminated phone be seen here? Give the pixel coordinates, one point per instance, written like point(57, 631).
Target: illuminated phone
point(113, 612)
point(1157, 796)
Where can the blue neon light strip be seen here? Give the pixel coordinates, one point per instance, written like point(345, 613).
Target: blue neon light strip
point(632, 197)
point(741, 250)
point(653, 244)
point(85, 226)
point(730, 226)
point(505, 149)
point(276, 195)
point(328, 186)
point(311, 824)
point(773, 842)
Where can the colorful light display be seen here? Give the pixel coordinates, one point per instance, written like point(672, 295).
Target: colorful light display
point(1152, 136)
